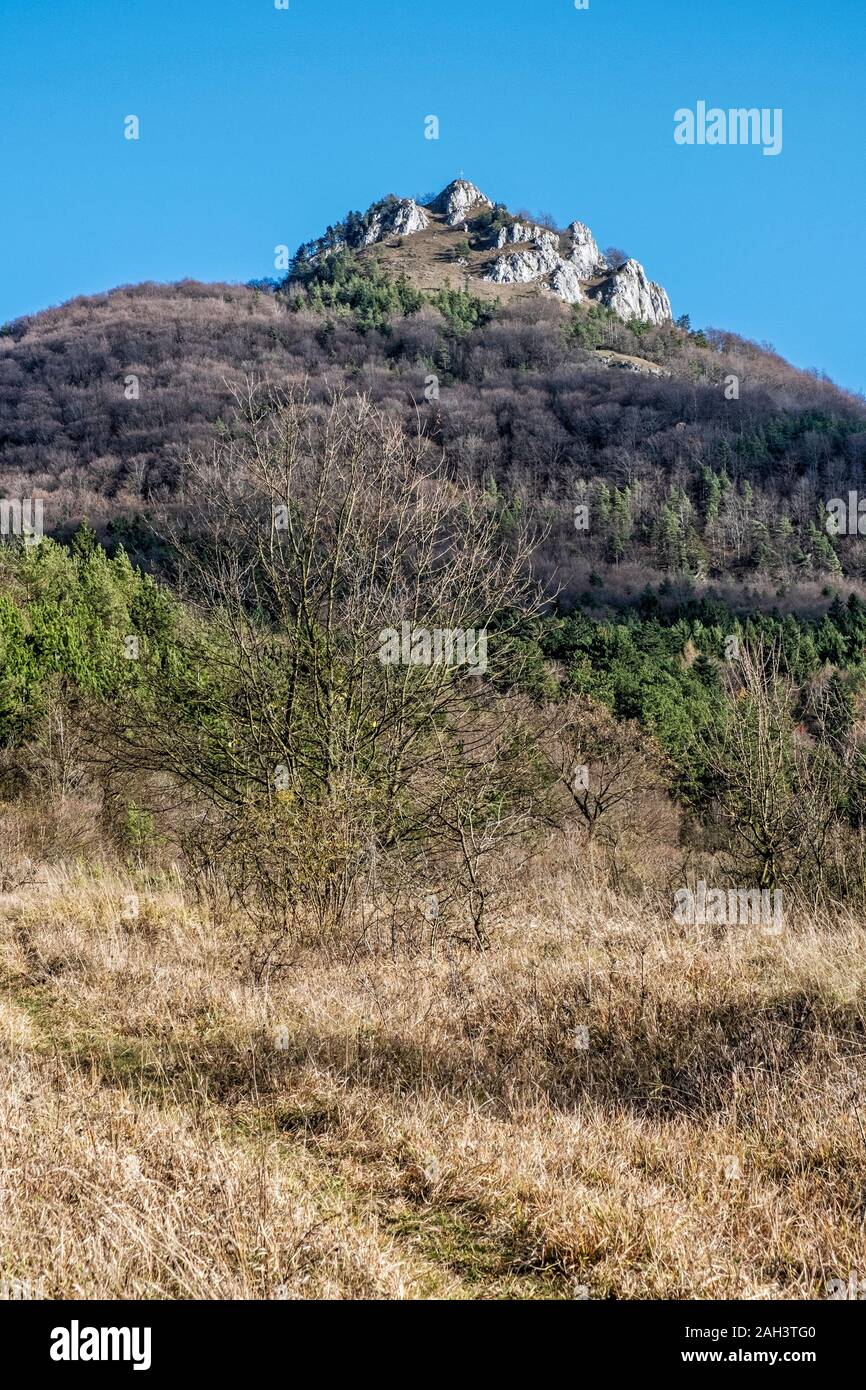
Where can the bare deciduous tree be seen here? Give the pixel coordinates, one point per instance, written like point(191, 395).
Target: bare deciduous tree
point(775, 789)
point(317, 534)
point(615, 256)
point(605, 768)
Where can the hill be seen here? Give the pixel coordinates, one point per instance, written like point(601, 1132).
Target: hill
point(459, 239)
point(698, 454)
point(432, 822)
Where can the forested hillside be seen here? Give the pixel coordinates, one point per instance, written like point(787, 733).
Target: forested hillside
point(696, 454)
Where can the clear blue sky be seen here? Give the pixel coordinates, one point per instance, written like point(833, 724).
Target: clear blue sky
point(260, 126)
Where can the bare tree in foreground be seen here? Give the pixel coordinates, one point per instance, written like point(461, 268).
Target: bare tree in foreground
point(324, 541)
point(776, 791)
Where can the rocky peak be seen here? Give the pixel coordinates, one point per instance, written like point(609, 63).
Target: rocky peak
point(583, 254)
point(399, 217)
point(390, 216)
point(581, 270)
point(521, 267)
point(541, 260)
point(567, 264)
point(455, 201)
point(631, 294)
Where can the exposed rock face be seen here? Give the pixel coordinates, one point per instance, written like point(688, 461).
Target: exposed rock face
point(632, 295)
point(541, 260)
point(524, 266)
point(568, 265)
point(397, 218)
point(456, 200)
point(525, 231)
point(564, 270)
point(388, 217)
point(627, 291)
point(626, 363)
point(565, 281)
point(583, 254)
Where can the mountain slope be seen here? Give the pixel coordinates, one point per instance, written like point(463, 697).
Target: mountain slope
point(556, 405)
point(459, 239)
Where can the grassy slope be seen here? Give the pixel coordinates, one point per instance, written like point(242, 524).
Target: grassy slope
point(430, 260)
point(431, 1127)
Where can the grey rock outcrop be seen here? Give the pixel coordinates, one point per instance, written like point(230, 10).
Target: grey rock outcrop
point(565, 281)
point(632, 295)
point(583, 253)
point(399, 218)
point(540, 260)
point(563, 269)
point(455, 201)
point(525, 231)
point(522, 267)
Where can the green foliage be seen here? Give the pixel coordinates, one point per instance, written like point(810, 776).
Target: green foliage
point(66, 614)
point(637, 668)
point(586, 328)
point(137, 829)
point(462, 309)
point(367, 292)
point(710, 494)
point(665, 670)
point(697, 336)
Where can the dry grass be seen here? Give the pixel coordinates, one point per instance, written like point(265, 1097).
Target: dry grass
point(408, 1127)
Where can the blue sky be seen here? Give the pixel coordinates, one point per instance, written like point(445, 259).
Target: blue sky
point(260, 126)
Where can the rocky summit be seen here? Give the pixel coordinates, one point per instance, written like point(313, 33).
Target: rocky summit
point(460, 237)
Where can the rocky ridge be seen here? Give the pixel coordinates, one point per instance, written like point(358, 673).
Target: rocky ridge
point(511, 250)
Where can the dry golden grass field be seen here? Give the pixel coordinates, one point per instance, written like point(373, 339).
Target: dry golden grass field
point(604, 1104)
